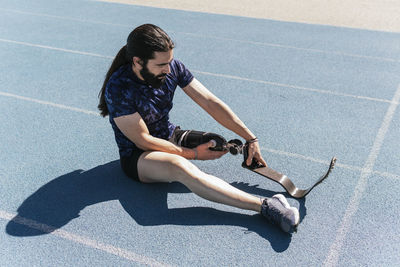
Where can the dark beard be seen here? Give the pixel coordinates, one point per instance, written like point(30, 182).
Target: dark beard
point(155, 81)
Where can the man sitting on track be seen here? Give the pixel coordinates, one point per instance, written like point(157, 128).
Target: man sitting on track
point(137, 95)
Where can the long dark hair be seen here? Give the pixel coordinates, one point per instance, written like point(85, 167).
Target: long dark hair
point(142, 43)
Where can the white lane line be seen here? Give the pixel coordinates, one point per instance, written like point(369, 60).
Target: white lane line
point(49, 103)
point(387, 175)
point(120, 252)
point(321, 91)
point(334, 252)
point(279, 152)
point(64, 18)
point(293, 47)
point(54, 48)
point(292, 86)
point(307, 158)
point(210, 36)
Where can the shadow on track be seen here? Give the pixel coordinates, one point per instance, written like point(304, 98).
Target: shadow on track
point(61, 200)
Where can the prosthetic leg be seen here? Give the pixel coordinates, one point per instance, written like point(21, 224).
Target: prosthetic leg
point(191, 139)
point(282, 179)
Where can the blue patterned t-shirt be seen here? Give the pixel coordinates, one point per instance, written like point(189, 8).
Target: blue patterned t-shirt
point(126, 94)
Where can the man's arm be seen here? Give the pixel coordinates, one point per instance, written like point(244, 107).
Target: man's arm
point(223, 115)
point(217, 109)
point(134, 128)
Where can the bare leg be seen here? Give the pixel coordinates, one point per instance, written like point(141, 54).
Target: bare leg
point(164, 167)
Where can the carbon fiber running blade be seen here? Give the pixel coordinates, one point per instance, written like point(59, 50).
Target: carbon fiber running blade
point(286, 183)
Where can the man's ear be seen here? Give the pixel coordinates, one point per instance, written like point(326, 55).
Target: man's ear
point(137, 62)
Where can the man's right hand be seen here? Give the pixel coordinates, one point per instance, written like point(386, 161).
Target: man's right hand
point(204, 152)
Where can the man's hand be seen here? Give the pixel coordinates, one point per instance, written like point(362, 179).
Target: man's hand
point(254, 152)
point(204, 152)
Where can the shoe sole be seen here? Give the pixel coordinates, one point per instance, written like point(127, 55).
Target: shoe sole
point(295, 212)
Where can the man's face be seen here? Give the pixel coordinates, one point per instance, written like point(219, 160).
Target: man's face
point(155, 71)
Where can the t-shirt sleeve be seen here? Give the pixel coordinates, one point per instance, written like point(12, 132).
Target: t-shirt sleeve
point(119, 99)
point(183, 75)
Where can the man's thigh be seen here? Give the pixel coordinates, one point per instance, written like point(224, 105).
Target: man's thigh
point(156, 166)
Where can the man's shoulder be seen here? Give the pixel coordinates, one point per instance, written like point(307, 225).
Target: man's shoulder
point(120, 74)
point(121, 84)
point(177, 65)
point(181, 72)
point(178, 68)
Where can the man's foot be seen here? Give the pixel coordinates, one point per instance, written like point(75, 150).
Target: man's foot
point(278, 211)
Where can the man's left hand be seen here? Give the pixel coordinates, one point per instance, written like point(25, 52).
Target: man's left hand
point(254, 152)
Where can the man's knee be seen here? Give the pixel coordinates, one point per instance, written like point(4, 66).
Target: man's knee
point(182, 168)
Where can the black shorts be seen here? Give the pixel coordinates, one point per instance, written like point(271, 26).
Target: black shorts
point(129, 164)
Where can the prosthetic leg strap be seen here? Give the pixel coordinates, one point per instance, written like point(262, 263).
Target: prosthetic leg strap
point(192, 139)
point(286, 183)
